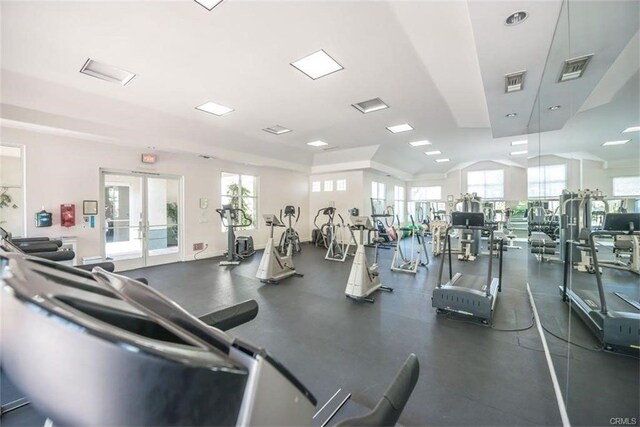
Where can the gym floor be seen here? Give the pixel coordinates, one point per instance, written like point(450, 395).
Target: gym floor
point(470, 374)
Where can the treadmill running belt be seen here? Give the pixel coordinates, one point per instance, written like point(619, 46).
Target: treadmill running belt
point(478, 283)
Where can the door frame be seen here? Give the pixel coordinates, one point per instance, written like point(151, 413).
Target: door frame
point(144, 260)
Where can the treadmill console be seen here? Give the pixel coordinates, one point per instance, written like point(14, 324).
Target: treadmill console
point(467, 219)
point(361, 222)
point(271, 219)
point(621, 221)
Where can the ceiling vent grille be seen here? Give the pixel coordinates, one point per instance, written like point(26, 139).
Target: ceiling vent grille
point(106, 72)
point(330, 148)
point(277, 130)
point(514, 82)
point(574, 68)
point(370, 105)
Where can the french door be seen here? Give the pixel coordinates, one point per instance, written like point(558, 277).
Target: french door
point(142, 219)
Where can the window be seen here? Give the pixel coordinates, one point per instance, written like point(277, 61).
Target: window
point(626, 186)
point(426, 193)
point(398, 202)
point(546, 181)
point(241, 191)
point(328, 185)
point(316, 186)
point(378, 190)
point(341, 185)
point(488, 184)
point(12, 195)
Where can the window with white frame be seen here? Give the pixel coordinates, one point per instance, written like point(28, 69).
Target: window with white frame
point(398, 202)
point(378, 190)
point(488, 184)
point(328, 185)
point(426, 193)
point(341, 185)
point(316, 186)
point(546, 181)
point(626, 186)
point(241, 191)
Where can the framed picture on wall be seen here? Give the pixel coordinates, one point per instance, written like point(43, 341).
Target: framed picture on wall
point(89, 207)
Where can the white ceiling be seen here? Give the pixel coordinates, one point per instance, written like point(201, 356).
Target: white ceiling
point(438, 65)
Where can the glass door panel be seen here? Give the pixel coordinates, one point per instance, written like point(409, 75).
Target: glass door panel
point(163, 219)
point(124, 228)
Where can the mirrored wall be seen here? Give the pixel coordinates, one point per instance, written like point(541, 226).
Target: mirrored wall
point(583, 167)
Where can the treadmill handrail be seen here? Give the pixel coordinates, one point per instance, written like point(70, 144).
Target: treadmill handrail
point(596, 265)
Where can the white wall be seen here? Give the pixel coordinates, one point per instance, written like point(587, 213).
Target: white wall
point(64, 170)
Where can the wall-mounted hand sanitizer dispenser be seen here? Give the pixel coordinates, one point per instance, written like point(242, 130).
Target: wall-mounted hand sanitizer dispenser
point(43, 218)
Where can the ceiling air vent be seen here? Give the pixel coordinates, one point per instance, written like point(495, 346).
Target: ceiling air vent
point(330, 148)
point(574, 68)
point(106, 72)
point(370, 106)
point(277, 130)
point(514, 82)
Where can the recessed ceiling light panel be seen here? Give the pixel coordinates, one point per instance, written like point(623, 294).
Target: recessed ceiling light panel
point(632, 129)
point(433, 153)
point(442, 160)
point(106, 72)
point(317, 143)
point(318, 64)
point(370, 106)
point(516, 17)
point(277, 130)
point(213, 108)
point(517, 153)
point(514, 82)
point(208, 4)
point(400, 128)
point(419, 143)
point(574, 68)
point(620, 142)
point(522, 142)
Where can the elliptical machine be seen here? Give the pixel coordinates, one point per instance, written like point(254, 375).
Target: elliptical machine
point(339, 246)
point(320, 235)
point(364, 279)
point(240, 248)
point(290, 235)
point(273, 266)
point(410, 264)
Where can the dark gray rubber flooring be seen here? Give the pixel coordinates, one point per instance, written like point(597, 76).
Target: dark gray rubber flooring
point(470, 374)
point(597, 385)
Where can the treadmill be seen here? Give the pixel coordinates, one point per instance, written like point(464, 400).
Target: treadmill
point(470, 295)
point(611, 310)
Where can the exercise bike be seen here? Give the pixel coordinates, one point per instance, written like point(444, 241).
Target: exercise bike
point(240, 248)
point(364, 279)
point(275, 267)
point(410, 264)
point(290, 235)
